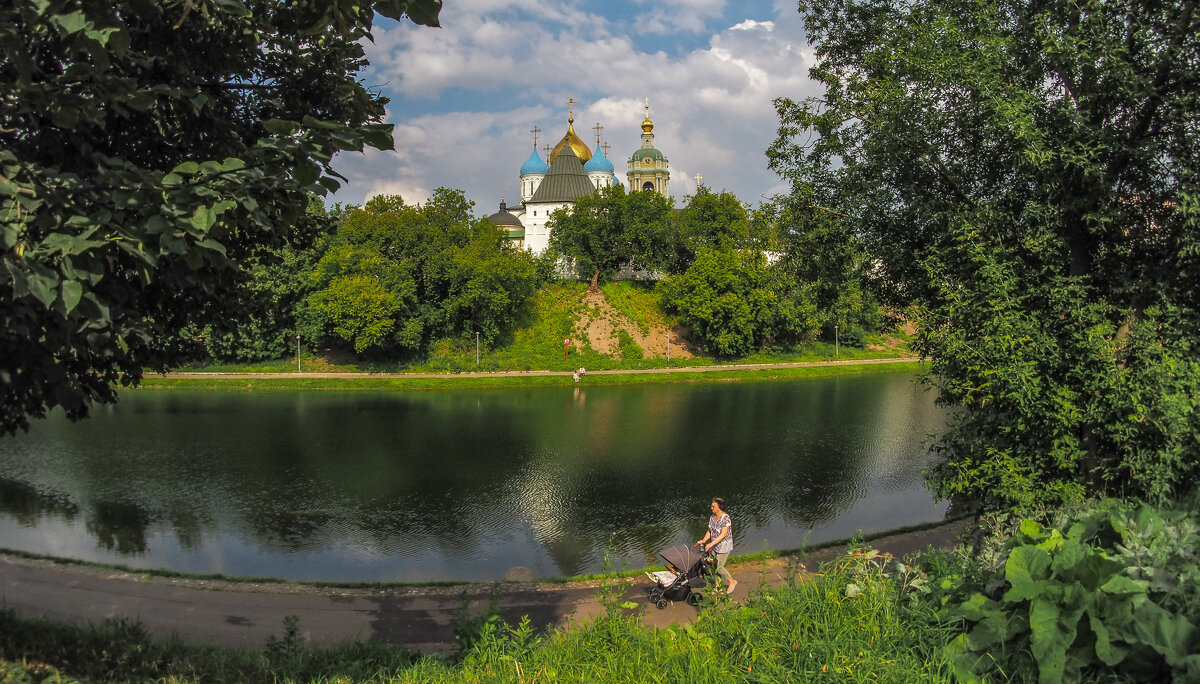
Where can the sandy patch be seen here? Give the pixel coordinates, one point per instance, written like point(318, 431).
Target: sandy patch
point(601, 324)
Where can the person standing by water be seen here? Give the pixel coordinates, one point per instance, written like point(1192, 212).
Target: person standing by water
point(719, 540)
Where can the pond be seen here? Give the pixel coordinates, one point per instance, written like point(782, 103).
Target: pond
point(465, 485)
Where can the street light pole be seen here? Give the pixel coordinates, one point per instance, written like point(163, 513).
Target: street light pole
point(477, 349)
point(668, 348)
point(298, 353)
point(837, 350)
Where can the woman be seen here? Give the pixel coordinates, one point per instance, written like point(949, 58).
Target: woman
point(719, 539)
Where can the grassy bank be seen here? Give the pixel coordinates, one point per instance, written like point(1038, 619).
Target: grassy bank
point(561, 311)
point(532, 379)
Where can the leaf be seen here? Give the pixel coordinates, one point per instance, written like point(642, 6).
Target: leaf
point(1122, 584)
point(1049, 639)
point(186, 167)
point(280, 126)
point(1106, 651)
point(71, 293)
point(1026, 566)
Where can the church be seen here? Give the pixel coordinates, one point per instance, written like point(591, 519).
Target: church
point(571, 172)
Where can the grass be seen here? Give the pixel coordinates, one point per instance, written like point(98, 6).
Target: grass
point(848, 623)
point(466, 381)
point(538, 345)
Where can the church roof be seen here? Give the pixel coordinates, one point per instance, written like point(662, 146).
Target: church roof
point(598, 162)
point(571, 140)
point(504, 219)
point(644, 152)
point(566, 181)
point(534, 164)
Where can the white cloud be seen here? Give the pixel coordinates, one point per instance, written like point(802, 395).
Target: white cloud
point(497, 69)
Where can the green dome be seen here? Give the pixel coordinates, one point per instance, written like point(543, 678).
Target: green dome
point(645, 152)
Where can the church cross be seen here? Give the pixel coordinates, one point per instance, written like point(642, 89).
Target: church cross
point(698, 178)
point(606, 146)
point(535, 130)
point(571, 103)
point(597, 128)
point(546, 150)
point(647, 108)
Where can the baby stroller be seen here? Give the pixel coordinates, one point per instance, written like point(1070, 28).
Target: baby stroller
point(687, 568)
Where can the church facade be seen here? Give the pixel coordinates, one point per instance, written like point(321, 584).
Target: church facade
point(572, 171)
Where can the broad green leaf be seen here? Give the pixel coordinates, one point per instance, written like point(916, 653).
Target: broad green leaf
point(1027, 566)
point(1122, 584)
point(281, 126)
point(1031, 529)
point(72, 291)
point(1049, 639)
point(1108, 653)
point(186, 167)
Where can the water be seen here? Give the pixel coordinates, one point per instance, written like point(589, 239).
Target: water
point(408, 486)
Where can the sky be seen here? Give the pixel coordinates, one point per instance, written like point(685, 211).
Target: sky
point(465, 96)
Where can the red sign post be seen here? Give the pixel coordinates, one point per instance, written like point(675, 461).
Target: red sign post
point(567, 348)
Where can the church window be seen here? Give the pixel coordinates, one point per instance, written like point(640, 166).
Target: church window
point(647, 185)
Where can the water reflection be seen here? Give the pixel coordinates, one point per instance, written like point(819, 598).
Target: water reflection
point(432, 485)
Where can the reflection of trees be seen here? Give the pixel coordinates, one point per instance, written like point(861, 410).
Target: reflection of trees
point(119, 526)
point(27, 504)
point(457, 472)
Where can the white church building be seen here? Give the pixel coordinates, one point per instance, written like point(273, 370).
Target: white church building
point(574, 171)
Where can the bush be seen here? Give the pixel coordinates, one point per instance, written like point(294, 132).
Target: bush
point(1118, 593)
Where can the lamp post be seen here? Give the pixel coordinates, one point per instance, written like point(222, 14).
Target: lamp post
point(477, 349)
point(668, 336)
point(837, 349)
point(298, 353)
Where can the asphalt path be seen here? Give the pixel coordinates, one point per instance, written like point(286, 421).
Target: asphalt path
point(244, 614)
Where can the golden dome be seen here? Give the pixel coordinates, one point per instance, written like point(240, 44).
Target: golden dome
point(578, 146)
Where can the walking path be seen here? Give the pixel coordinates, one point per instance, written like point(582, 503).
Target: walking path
point(244, 614)
point(539, 373)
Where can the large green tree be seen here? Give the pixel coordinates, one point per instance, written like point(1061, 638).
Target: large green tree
point(147, 150)
point(1026, 172)
point(611, 229)
point(736, 304)
point(396, 276)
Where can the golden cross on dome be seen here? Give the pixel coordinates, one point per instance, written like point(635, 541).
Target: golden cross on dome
point(698, 178)
point(647, 108)
point(546, 150)
point(571, 115)
point(502, 197)
point(606, 146)
point(535, 130)
point(597, 128)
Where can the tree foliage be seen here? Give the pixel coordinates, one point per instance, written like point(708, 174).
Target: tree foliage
point(709, 220)
point(736, 305)
point(611, 229)
point(1026, 173)
point(147, 150)
point(396, 276)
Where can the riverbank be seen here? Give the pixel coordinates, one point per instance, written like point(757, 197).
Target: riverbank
point(419, 618)
point(746, 372)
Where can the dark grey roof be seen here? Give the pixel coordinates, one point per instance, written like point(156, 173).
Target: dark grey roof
point(504, 219)
point(566, 181)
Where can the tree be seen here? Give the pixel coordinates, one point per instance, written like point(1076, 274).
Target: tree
point(611, 229)
point(709, 220)
point(395, 277)
point(820, 248)
point(737, 305)
point(147, 149)
point(1026, 174)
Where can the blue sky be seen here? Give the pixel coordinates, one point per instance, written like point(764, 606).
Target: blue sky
point(464, 97)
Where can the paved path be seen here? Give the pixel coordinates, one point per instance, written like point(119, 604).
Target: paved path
point(540, 373)
point(245, 614)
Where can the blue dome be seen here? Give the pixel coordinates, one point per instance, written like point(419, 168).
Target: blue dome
point(598, 162)
point(535, 164)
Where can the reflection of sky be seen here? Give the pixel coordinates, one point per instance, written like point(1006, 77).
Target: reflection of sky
point(466, 485)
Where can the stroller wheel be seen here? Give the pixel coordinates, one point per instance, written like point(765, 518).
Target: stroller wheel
point(661, 603)
point(695, 598)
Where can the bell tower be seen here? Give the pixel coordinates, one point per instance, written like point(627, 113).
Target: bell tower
point(648, 167)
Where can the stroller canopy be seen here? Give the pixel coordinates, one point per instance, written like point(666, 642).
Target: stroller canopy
point(685, 558)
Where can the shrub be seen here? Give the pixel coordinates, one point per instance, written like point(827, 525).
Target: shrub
point(1116, 594)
